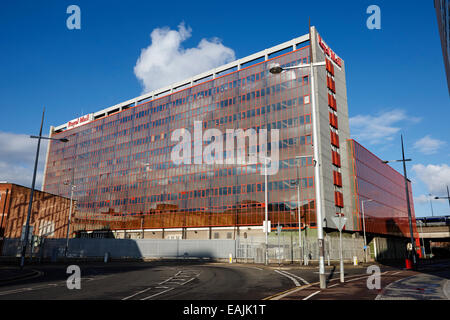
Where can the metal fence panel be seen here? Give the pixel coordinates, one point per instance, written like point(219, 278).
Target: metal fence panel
point(283, 250)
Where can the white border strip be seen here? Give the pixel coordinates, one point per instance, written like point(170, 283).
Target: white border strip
point(191, 81)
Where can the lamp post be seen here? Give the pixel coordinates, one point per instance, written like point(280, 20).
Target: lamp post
point(72, 187)
point(403, 160)
point(276, 69)
point(447, 197)
point(431, 205)
point(364, 227)
point(30, 204)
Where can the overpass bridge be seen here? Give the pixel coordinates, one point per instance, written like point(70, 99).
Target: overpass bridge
point(434, 234)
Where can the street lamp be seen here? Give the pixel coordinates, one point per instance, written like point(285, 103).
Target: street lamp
point(72, 187)
point(364, 226)
point(447, 197)
point(30, 204)
point(431, 204)
point(407, 198)
point(276, 69)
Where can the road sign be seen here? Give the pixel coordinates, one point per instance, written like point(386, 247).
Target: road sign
point(339, 222)
point(266, 228)
point(30, 233)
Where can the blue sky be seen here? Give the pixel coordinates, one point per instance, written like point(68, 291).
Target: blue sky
point(395, 76)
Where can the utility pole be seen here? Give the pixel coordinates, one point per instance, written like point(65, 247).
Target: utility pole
point(30, 204)
point(447, 197)
point(403, 160)
point(72, 187)
point(431, 205)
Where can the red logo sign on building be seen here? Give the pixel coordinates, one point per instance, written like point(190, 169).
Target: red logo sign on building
point(326, 49)
point(79, 121)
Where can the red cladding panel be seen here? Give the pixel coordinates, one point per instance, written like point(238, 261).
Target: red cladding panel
point(338, 199)
point(336, 158)
point(334, 139)
point(337, 178)
point(333, 120)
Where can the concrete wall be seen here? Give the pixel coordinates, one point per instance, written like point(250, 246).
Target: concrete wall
point(322, 109)
point(284, 248)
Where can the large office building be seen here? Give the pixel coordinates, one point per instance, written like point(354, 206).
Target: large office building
point(121, 158)
point(442, 8)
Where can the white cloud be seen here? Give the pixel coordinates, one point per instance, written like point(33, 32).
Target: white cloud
point(435, 177)
point(380, 128)
point(423, 198)
point(428, 145)
point(165, 61)
point(17, 155)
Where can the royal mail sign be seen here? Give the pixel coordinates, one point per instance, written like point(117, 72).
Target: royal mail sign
point(326, 49)
point(80, 121)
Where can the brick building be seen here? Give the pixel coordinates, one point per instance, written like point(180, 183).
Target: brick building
point(49, 213)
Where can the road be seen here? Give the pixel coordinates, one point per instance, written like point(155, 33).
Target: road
point(179, 281)
point(149, 281)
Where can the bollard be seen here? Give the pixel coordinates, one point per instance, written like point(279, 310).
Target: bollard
point(106, 259)
point(355, 260)
point(230, 257)
point(408, 264)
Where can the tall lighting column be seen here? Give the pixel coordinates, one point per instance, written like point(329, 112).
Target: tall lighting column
point(277, 69)
point(33, 183)
point(403, 160)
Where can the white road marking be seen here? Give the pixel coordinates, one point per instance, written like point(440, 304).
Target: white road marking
point(187, 281)
point(289, 293)
point(311, 295)
point(133, 295)
point(334, 285)
point(4, 293)
point(295, 276)
point(179, 279)
point(256, 268)
point(397, 272)
point(157, 294)
point(357, 279)
point(297, 284)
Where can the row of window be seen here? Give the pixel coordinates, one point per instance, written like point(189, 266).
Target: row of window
point(189, 178)
point(281, 185)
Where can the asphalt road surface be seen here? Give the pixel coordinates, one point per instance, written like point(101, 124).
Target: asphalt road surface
point(164, 281)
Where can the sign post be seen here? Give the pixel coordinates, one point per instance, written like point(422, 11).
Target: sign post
point(279, 249)
point(339, 221)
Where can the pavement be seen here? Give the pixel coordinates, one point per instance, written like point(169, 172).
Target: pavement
point(430, 282)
